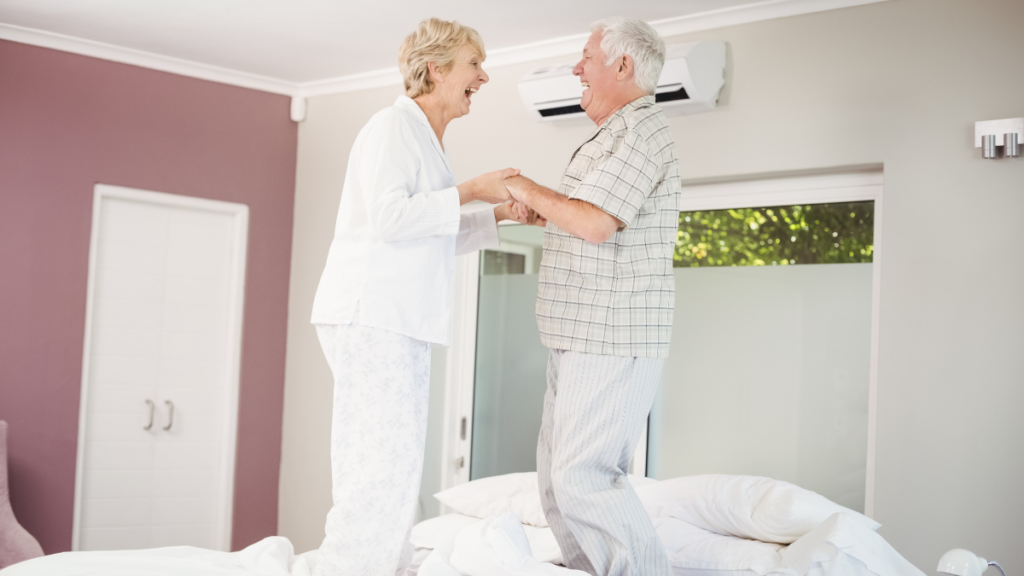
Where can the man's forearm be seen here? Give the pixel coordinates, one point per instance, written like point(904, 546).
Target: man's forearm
point(579, 218)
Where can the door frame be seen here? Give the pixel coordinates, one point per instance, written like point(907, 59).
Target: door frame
point(858, 185)
point(236, 301)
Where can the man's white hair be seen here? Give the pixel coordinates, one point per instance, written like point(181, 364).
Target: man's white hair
point(636, 39)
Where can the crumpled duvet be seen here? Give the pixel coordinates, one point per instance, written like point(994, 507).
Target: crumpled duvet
point(495, 546)
point(839, 546)
point(498, 546)
point(273, 556)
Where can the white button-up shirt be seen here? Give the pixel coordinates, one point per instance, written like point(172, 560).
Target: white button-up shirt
point(399, 229)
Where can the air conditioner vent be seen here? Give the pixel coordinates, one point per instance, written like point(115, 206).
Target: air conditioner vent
point(679, 94)
point(561, 110)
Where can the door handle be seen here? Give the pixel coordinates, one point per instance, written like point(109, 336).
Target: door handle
point(170, 414)
point(152, 408)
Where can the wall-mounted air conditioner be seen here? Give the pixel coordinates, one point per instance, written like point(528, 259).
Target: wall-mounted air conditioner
point(693, 75)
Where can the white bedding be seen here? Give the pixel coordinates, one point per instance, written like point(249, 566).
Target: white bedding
point(501, 546)
point(707, 524)
point(272, 556)
point(842, 545)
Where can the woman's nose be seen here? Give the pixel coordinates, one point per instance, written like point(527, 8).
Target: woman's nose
point(483, 76)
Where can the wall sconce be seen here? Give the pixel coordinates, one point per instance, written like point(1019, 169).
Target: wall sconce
point(960, 562)
point(1006, 134)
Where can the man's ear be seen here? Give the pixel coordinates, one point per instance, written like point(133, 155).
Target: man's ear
point(625, 67)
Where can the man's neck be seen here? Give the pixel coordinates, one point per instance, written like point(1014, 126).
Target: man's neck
point(625, 99)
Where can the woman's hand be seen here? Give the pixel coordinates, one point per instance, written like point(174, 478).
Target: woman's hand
point(519, 212)
point(489, 187)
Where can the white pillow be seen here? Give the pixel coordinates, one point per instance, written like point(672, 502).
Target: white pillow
point(496, 495)
point(695, 551)
point(440, 530)
point(751, 507)
point(487, 496)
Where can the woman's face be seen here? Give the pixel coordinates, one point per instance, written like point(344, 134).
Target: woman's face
point(463, 80)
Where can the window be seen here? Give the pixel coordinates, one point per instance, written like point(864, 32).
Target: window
point(839, 233)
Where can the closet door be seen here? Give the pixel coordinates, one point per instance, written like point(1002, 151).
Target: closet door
point(160, 372)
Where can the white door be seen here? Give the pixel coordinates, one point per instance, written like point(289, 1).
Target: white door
point(160, 372)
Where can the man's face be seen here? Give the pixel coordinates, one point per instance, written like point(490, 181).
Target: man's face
point(599, 80)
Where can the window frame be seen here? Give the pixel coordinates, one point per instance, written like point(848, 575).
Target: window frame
point(757, 191)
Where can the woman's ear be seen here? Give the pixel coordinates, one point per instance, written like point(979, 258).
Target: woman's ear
point(435, 73)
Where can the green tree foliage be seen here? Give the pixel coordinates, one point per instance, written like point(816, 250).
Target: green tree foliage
point(803, 234)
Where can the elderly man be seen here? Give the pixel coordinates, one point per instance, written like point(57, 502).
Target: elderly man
point(604, 307)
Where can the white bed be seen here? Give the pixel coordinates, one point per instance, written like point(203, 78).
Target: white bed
point(269, 557)
point(711, 525)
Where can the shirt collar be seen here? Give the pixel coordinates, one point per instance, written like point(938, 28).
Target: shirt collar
point(641, 102)
point(410, 106)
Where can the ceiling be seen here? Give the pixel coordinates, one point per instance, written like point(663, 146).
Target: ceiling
point(299, 42)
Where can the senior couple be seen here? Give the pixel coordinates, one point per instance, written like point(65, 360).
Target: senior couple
point(604, 306)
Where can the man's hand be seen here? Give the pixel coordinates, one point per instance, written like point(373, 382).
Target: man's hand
point(516, 185)
point(489, 187)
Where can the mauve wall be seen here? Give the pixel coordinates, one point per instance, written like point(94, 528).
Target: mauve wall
point(66, 123)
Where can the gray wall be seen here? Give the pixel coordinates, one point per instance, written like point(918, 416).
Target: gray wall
point(897, 84)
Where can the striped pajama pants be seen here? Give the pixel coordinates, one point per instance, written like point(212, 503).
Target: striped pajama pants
point(594, 412)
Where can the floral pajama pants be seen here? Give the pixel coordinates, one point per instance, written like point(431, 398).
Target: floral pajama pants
point(378, 434)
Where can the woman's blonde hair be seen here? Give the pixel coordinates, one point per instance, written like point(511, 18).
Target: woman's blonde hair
point(437, 41)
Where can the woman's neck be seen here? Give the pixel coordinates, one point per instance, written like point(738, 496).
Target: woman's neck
point(436, 114)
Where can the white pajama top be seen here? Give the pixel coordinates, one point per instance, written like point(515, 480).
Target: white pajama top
point(398, 231)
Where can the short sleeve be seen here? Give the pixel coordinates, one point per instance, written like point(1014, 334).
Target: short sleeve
point(622, 183)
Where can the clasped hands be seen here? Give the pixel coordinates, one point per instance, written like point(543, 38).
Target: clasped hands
point(497, 188)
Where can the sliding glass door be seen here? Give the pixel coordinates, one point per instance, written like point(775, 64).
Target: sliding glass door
point(510, 360)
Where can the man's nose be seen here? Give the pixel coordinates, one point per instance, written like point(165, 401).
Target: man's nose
point(578, 69)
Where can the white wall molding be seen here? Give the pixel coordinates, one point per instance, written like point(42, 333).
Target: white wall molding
point(352, 82)
point(747, 13)
point(145, 59)
point(562, 46)
point(571, 45)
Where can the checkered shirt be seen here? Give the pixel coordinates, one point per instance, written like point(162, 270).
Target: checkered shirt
point(616, 298)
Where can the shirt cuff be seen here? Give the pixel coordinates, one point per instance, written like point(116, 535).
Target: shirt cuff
point(451, 211)
point(479, 231)
point(487, 224)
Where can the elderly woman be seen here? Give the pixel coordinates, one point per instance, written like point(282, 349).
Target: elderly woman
point(385, 294)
